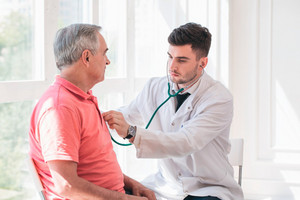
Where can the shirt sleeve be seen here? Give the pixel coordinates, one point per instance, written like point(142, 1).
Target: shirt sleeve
point(59, 134)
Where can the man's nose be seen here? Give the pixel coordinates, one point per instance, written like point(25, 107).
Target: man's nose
point(107, 61)
point(172, 65)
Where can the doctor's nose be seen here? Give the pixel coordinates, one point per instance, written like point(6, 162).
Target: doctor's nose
point(172, 65)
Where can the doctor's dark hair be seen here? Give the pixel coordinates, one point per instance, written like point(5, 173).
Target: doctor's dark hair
point(191, 33)
point(72, 40)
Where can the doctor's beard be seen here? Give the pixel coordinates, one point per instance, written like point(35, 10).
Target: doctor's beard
point(189, 77)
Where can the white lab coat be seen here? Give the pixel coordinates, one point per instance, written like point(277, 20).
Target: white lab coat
point(192, 144)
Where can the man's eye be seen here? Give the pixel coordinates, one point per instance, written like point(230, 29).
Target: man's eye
point(182, 61)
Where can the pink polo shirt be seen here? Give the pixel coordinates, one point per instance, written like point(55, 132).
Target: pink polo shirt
point(66, 124)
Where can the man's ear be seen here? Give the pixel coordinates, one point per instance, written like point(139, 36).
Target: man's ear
point(203, 62)
point(85, 57)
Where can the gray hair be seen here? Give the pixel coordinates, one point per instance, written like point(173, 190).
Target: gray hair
point(72, 40)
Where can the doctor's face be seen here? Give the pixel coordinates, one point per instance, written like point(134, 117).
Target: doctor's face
point(183, 66)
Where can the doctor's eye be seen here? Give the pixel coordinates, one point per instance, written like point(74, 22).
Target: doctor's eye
point(181, 61)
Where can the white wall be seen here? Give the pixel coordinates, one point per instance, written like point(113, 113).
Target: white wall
point(264, 70)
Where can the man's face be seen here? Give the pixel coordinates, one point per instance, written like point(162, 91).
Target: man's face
point(99, 61)
point(183, 66)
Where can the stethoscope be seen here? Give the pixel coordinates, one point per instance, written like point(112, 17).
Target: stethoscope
point(169, 97)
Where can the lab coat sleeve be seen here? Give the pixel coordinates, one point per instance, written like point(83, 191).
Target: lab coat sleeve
point(211, 123)
point(132, 115)
point(135, 112)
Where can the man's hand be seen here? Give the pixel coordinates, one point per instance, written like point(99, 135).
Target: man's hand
point(116, 121)
point(131, 197)
point(138, 189)
point(143, 192)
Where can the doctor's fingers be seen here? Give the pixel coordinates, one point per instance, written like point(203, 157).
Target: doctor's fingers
point(115, 120)
point(121, 130)
point(111, 113)
point(119, 125)
point(110, 119)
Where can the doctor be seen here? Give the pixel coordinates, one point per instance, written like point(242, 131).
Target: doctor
point(190, 133)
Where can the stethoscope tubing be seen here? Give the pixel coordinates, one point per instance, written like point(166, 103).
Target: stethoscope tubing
point(170, 95)
point(148, 124)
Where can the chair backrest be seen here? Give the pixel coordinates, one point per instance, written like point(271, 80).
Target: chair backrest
point(236, 155)
point(36, 179)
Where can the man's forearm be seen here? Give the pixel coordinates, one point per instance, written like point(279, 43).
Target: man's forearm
point(82, 189)
point(69, 185)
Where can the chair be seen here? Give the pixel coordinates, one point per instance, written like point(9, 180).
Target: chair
point(236, 156)
point(36, 179)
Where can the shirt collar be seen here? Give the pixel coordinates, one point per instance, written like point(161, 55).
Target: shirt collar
point(73, 88)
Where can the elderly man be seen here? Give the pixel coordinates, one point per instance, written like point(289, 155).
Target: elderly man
point(69, 141)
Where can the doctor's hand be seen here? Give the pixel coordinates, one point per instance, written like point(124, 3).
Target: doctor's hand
point(116, 121)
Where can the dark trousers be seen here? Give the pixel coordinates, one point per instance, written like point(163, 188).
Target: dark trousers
point(201, 198)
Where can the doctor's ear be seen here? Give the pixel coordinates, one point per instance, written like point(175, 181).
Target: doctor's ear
point(203, 62)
